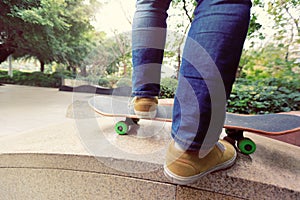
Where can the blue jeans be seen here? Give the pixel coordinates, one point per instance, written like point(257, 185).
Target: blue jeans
point(210, 58)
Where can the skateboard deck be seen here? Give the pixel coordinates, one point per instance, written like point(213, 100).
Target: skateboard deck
point(116, 106)
point(235, 124)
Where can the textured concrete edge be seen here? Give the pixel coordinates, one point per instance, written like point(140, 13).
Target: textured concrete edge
point(83, 163)
point(218, 182)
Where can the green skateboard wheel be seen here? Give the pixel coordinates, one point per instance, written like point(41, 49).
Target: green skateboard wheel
point(121, 128)
point(246, 146)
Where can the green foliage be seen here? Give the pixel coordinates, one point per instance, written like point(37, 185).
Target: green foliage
point(269, 95)
point(114, 81)
point(66, 74)
point(4, 78)
point(49, 30)
point(268, 62)
point(254, 28)
point(268, 82)
point(104, 82)
point(124, 82)
point(284, 13)
point(3, 73)
point(107, 81)
point(32, 79)
point(110, 55)
point(168, 87)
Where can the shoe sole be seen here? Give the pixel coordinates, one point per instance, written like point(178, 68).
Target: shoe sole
point(145, 115)
point(180, 180)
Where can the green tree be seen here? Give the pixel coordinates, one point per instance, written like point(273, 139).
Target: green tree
point(268, 62)
point(110, 55)
point(49, 30)
point(186, 15)
point(12, 31)
point(286, 17)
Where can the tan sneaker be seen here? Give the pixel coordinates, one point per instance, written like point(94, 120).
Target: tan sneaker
point(145, 107)
point(186, 167)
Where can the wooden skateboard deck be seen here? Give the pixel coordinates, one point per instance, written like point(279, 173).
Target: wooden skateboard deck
point(116, 106)
point(235, 124)
point(271, 124)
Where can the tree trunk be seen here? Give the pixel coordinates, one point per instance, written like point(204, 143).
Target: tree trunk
point(74, 70)
point(83, 71)
point(4, 53)
point(42, 66)
point(10, 70)
point(125, 70)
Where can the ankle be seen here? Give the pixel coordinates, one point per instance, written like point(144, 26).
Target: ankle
point(179, 147)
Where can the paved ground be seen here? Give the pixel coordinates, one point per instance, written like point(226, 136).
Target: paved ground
point(25, 108)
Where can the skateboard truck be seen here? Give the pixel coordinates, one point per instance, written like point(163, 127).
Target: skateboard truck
point(237, 139)
point(122, 127)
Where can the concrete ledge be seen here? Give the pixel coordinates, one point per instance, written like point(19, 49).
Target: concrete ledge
point(54, 176)
point(47, 183)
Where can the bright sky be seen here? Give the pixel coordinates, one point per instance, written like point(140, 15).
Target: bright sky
point(114, 15)
point(117, 15)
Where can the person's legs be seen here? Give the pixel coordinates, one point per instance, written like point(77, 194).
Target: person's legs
point(211, 55)
point(148, 42)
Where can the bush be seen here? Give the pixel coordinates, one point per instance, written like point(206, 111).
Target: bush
point(3, 72)
point(269, 95)
point(103, 82)
point(6, 79)
point(114, 81)
point(168, 87)
point(124, 82)
point(67, 74)
point(57, 78)
point(33, 79)
point(265, 96)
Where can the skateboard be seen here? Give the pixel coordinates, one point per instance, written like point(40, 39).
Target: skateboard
point(235, 124)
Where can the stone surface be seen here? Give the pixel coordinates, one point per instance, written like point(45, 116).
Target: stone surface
point(25, 108)
point(36, 184)
point(185, 193)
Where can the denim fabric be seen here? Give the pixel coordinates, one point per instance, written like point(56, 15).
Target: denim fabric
point(210, 58)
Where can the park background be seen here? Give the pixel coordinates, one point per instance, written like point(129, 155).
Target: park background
point(47, 41)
